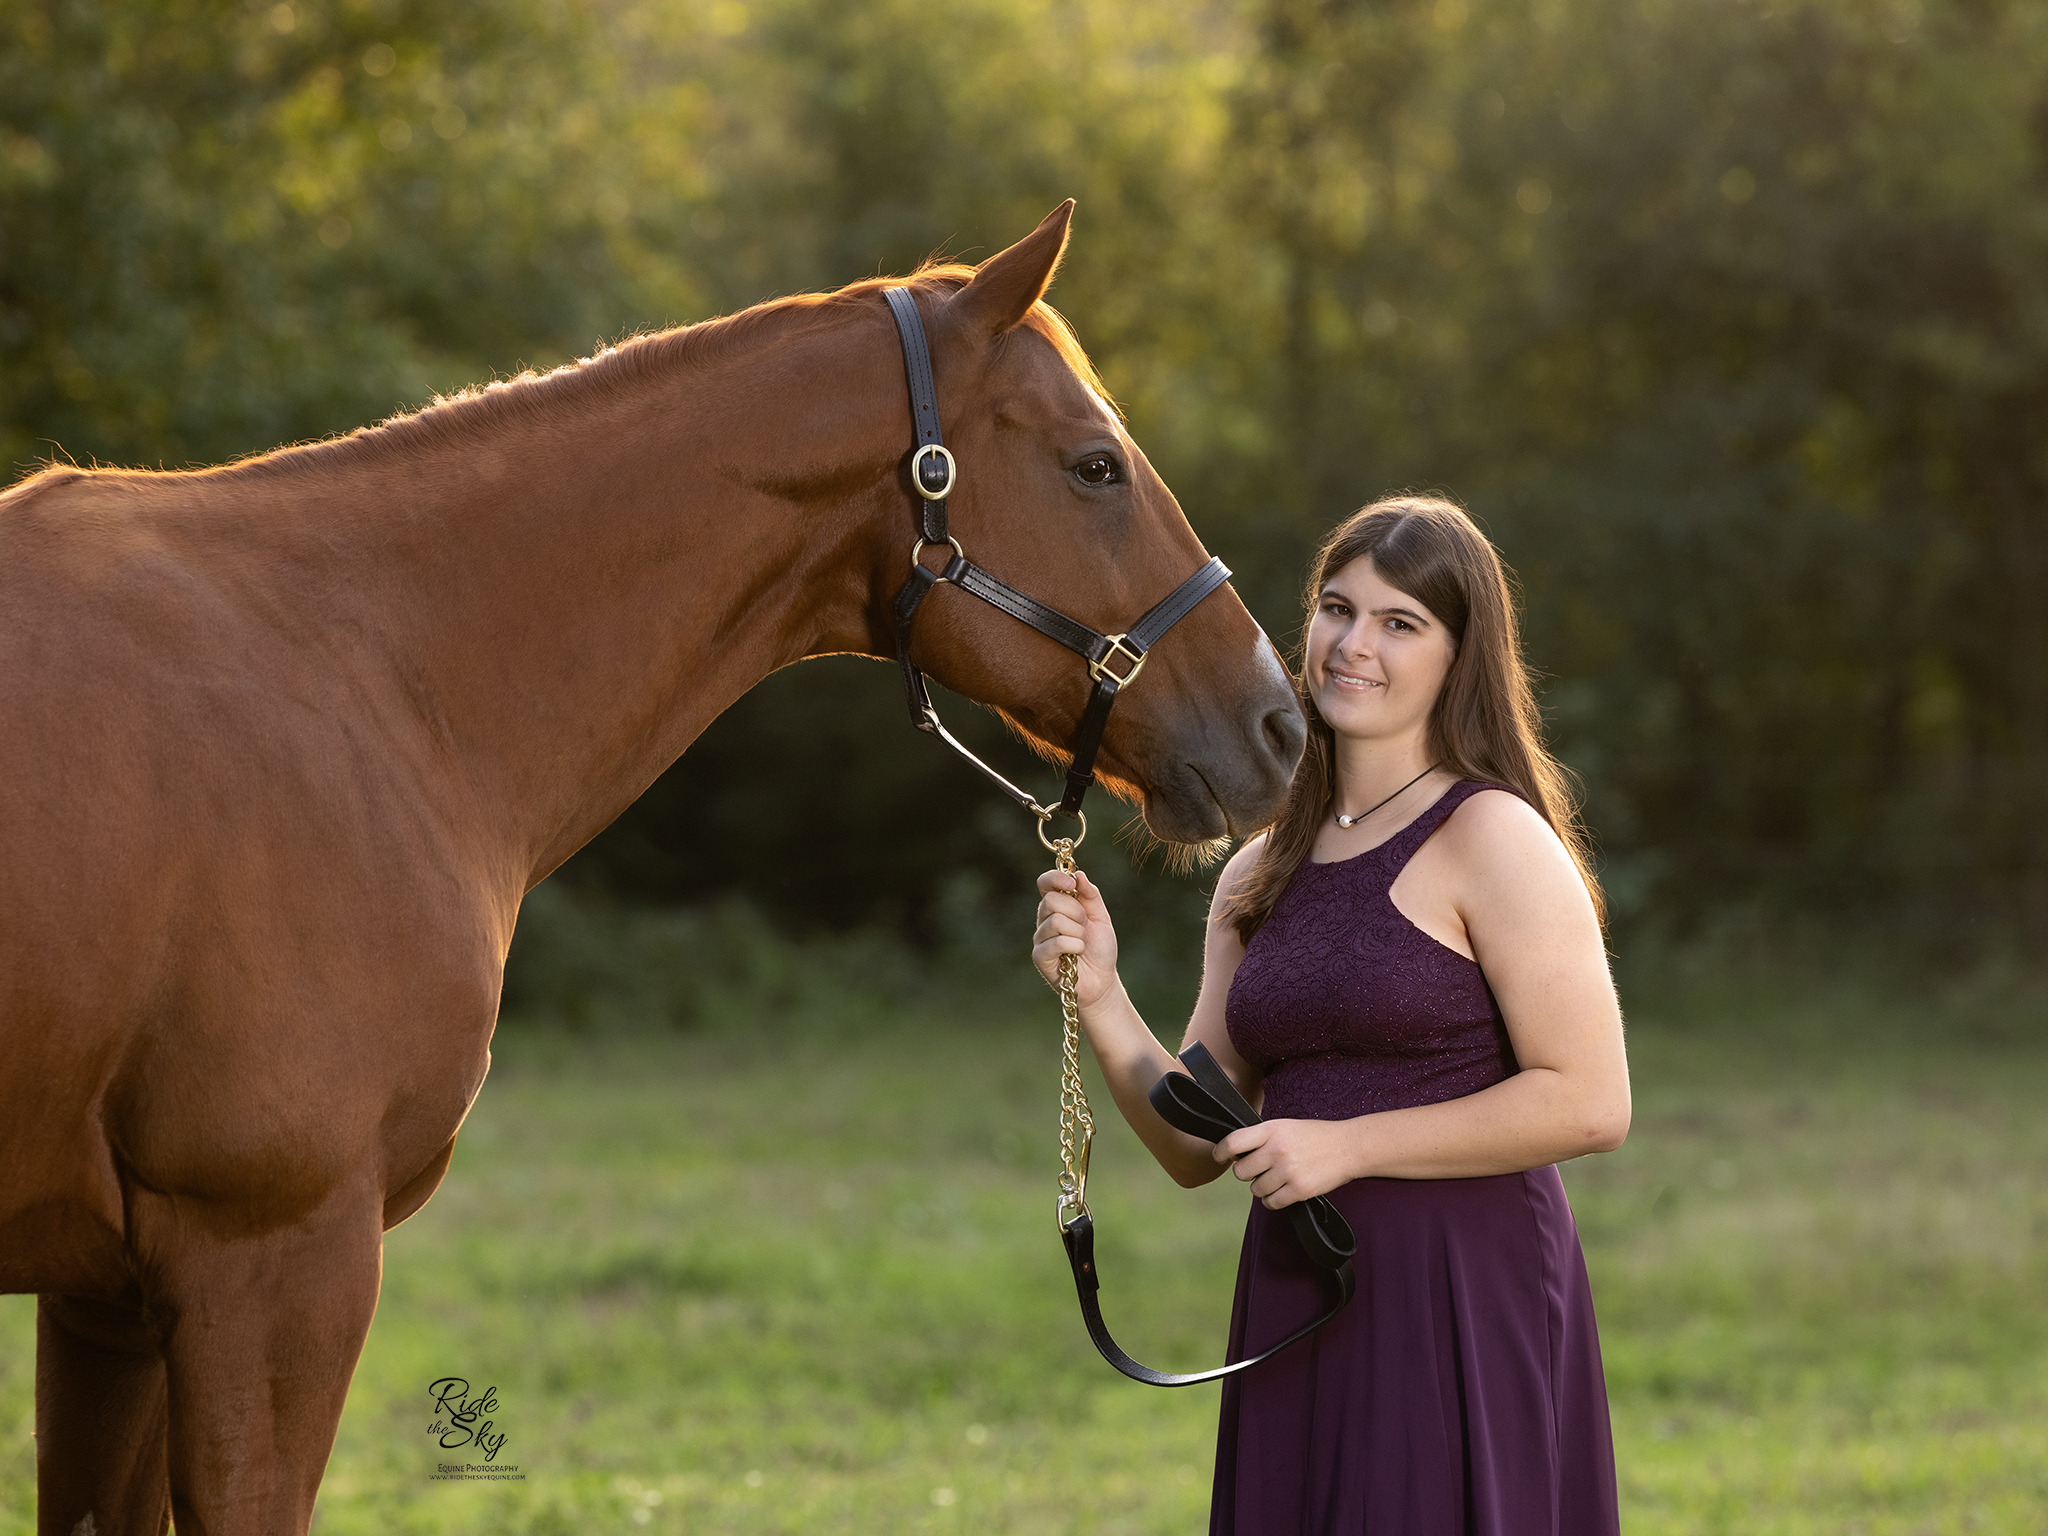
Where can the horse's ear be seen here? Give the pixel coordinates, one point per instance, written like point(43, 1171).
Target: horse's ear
point(1005, 286)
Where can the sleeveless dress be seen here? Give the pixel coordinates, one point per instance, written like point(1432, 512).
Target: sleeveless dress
point(1460, 1393)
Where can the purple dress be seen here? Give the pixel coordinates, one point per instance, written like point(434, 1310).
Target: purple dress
point(1460, 1393)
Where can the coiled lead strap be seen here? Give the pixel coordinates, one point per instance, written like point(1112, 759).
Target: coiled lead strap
point(1204, 1102)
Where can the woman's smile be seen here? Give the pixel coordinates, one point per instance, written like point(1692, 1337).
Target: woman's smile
point(1348, 680)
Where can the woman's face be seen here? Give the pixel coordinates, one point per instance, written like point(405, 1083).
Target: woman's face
point(1376, 657)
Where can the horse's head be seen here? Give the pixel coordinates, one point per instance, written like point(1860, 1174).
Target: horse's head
point(1054, 498)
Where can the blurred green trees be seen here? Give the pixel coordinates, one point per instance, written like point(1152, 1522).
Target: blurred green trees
point(1729, 318)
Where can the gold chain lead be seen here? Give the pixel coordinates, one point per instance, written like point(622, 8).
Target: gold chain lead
point(1077, 1124)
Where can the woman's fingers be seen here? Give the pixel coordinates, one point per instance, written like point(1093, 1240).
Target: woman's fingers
point(1072, 920)
point(1267, 1182)
point(1064, 906)
point(1073, 886)
point(1061, 928)
point(1285, 1161)
point(1255, 1163)
point(1061, 923)
point(1242, 1142)
point(1090, 895)
point(1062, 901)
point(1269, 1188)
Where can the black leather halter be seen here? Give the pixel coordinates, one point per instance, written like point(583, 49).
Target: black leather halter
point(934, 475)
point(1201, 1101)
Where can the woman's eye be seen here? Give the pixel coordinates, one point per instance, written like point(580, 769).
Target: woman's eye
point(1400, 625)
point(1099, 469)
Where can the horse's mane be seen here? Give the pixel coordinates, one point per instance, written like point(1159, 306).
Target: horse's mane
point(629, 363)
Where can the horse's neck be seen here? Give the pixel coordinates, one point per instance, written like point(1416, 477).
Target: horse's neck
point(590, 586)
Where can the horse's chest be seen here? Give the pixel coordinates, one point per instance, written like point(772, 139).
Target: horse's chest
point(260, 1120)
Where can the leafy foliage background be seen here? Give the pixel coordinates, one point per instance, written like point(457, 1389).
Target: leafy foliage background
point(1728, 318)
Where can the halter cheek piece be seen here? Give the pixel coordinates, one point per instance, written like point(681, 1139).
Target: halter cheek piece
point(1114, 661)
point(1202, 1101)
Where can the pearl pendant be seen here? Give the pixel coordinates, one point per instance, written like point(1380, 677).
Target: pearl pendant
point(1348, 822)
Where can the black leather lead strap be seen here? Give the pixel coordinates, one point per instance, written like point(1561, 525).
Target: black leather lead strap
point(1079, 1237)
point(1206, 1103)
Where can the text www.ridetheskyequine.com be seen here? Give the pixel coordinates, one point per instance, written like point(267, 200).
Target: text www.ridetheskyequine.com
point(452, 1471)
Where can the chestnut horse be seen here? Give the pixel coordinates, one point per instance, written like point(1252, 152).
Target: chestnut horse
point(283, 744)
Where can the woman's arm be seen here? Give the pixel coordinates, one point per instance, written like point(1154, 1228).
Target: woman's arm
point(1074, 921)
point(1531, 926)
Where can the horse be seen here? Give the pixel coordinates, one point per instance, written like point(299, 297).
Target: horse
point(286, 742)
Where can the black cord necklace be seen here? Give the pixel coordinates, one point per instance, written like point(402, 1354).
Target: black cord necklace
point(1348, 822)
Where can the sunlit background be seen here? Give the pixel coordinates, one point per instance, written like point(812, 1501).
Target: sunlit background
point(1728, 320)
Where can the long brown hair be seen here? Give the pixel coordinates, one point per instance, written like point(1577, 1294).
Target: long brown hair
point(1485, 724)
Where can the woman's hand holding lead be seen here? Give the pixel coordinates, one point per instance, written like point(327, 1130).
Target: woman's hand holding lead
point(1289, 1160)
point(1072, 920)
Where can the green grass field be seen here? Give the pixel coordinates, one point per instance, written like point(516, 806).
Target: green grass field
point(797, 1276)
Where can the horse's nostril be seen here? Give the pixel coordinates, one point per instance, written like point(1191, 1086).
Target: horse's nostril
point(1284, 732)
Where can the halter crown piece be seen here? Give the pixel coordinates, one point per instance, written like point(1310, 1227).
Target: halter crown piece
point(1114, 661)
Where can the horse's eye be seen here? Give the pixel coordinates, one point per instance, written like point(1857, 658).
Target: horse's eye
point(1098, 469)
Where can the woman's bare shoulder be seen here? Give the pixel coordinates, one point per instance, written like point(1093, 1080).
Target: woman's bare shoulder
point(1498, 836)
point(1496, 810)
point(1240, 866)
point(1233, 875)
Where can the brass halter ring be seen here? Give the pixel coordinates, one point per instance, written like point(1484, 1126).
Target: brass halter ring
point(918, 548)
point(1045, 816)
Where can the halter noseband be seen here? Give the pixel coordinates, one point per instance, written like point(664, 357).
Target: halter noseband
point(935, 476)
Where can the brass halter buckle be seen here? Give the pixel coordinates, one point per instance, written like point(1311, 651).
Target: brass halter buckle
point(918, 461)
point(1097, 670)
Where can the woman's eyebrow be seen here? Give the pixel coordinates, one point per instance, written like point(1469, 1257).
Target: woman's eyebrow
point(1406, 613)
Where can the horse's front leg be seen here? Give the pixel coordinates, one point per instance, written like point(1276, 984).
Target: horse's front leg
point(260, 1332)
point(101, 1410)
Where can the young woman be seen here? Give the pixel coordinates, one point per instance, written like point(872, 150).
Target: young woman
point(1406, 974)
